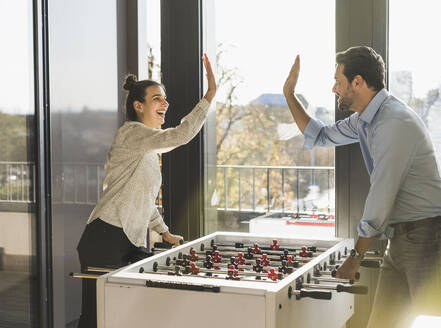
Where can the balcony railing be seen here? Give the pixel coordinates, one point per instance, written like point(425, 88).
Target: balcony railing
point(282, 189)
point(291, 189)
point(16, 182)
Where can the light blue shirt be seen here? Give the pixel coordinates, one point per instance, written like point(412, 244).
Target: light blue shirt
point(400, 159)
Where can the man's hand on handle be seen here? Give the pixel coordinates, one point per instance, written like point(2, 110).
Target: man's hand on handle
point(348, 269)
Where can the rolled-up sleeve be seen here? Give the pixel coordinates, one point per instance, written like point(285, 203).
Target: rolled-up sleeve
point(157, 223)
point(342, 132)
point(393, 150)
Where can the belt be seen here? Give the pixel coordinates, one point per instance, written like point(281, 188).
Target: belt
point(405, 227)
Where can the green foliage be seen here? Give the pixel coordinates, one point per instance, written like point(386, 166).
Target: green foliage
point(16, 137)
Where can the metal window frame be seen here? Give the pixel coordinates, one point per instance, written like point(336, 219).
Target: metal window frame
point(127, 48)
point(43, 163)
point(358, 22)
point(183, 168)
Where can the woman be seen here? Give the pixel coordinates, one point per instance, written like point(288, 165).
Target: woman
point(117, 227)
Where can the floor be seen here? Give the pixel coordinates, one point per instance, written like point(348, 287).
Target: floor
point(15, 300)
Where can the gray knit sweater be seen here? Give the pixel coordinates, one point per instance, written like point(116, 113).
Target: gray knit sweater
point(133, 175)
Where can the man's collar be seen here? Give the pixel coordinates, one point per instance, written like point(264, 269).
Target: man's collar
point(373, 106)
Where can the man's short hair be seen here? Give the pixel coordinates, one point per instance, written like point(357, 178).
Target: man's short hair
point(363, 61)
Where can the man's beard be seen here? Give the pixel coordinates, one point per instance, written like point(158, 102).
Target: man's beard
point(345, 103)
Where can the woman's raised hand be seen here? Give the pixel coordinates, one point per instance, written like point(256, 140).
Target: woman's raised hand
point(211, 91)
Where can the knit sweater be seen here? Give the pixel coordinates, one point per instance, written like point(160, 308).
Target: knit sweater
point(133, 174)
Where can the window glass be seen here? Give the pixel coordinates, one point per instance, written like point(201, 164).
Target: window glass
point(261, 163)
point(18, 229)
point(149, 39)
point(414, 53)
point(84, 89)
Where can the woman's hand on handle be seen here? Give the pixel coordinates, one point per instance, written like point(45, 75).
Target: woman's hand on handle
point(211, 91)
point(172, 239)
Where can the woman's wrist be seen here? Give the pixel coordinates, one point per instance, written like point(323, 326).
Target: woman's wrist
point(209, 97)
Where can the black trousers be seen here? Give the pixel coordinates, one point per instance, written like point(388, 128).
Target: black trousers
point(102, 245)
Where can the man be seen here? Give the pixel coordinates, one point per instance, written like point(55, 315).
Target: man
point(404, 200)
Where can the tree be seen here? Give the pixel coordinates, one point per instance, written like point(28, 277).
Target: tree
point(247, 135)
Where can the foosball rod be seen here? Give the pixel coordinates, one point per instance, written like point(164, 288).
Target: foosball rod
point(333, 274)
point(214, 275)
point(332, 279)
point(242, 245)
point(367, 263)
point(84, 275)
point(241, 259)
point(203, 270)
point(352, 289)
point(202, 263)
point(295, 263)
point(254, 256)
point(283, 251)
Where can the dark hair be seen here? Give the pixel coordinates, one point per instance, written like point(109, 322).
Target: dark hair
point(137, 91)
point(363, 61)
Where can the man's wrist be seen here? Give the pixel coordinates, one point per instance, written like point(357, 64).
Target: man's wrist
point(355, 254)
point(288, 93)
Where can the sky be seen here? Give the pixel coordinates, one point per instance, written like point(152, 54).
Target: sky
point(16, 79)
point(414, 29)
point(262, 38)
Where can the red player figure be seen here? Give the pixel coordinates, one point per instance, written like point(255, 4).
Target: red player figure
point(232, 271)
point(275, 245)
point(264, 260)
point(240, 260)
point(256, 249)
point(193, 255)
point(303, 252)
point(272, 274)
point(216, 258)
point(194, 269)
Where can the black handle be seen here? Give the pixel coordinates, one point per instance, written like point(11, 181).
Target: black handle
point(164, 244)
point(171, 285)
point(370, 263)
point(334, 274)
point(317, 294)
point(352, 289)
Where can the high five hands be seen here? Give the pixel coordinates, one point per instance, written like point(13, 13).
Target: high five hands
point(211, 91)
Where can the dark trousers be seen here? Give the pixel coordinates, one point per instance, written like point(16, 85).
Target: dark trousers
point(410, 277)
point(101, 245)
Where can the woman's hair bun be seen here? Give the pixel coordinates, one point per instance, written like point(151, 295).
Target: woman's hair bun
point(130, 82)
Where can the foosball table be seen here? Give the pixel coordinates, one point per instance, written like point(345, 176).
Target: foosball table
point(232, 280)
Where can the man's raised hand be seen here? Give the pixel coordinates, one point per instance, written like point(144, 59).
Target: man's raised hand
point(291, 80)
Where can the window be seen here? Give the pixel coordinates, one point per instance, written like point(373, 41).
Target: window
point(414, 52)
point(84, 89)
point(261, 164)
point(149, 40)
point(18, 222)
